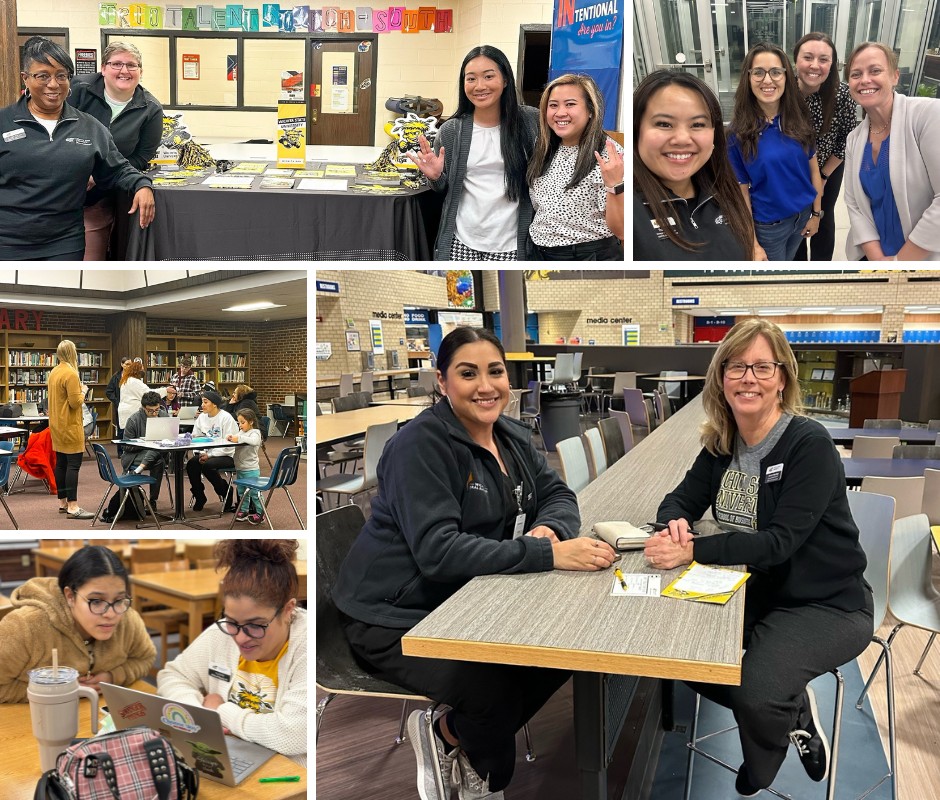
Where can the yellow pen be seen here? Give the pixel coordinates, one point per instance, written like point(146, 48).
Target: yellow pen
point(619, 575)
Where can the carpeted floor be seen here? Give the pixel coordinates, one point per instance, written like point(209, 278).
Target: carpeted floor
point(861, 761)
point(36, 509)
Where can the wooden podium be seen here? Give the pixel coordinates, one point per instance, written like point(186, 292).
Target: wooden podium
point(876, 395)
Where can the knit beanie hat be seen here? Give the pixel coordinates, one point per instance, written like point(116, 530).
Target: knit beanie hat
point(214, 397)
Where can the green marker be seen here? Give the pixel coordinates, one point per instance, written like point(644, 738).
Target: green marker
point(287, 779)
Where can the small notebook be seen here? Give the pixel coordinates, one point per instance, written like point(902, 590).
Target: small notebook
point(622, 535)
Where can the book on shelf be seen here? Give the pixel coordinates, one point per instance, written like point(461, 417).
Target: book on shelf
point(232, 360)
point(232, 376)
point(31, 358)
point(90, 359)
point(199, 359)
point(88, 375)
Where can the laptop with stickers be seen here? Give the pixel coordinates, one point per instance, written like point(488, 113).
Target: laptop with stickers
point(196, 733)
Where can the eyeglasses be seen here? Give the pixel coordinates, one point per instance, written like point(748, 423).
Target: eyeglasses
point(45, 77)
point(253, 630)
point(763, 370)
point(152, 412)
point(776, 73)
point(100, 607)
point(119, 65)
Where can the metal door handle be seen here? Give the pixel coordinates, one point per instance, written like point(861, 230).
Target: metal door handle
point(706, 64)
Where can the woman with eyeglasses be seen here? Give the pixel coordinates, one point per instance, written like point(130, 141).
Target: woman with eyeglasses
point(116, 99)
point(48, 152)
point(772, 150)
point(251, 665)
point(776, 487)
point(85, 614)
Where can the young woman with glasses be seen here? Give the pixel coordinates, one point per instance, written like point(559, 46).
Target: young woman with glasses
point(251, 665)
point(116, 99)
point(775, 484)
point(773, 154)
point(85, 614)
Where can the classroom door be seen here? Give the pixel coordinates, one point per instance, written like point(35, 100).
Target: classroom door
point(342, 91)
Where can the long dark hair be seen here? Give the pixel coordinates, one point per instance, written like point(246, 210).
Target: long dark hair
point(829, 89)
point(514, 141)
point(716, 172)
point(92, 561)
point(593, 137)
point(748, 122)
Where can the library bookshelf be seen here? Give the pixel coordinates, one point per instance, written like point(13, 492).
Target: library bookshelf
point(222, 360)
point(29, 356)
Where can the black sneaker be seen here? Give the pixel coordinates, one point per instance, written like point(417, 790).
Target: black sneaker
point(743, 785)
point(810, 740)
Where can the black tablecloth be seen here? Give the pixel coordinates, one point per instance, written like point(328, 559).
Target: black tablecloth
point(196, 222)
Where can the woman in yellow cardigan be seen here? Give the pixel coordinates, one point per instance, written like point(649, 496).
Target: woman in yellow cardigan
point(85, 614)
point(66, 394)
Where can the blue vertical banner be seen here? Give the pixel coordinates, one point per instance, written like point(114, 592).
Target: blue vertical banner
point(587, 38)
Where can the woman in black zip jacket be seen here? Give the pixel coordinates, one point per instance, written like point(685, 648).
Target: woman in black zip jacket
point(462, 492)
point(686, 201)
point(776, 486)
point(48, 151)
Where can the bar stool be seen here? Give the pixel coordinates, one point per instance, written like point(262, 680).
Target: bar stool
point(695, 740)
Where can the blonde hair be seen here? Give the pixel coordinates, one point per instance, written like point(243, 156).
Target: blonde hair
point(121, 47)
point(241, 390)
point(67, 354)
point(719, 429)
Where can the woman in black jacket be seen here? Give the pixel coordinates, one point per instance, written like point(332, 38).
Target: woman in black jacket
point(116, 99)
point(776, 486)
point(243, 396)
point(462, 492)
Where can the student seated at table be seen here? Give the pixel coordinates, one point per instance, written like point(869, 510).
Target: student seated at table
point(171, 403)
point(137, 459)
point(776, 485)
point(458, 486)
point(216, 424)
point(251, 665)
point(85, 613)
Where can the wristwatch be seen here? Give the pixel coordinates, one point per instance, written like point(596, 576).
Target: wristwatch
point(817, 214)
point(618, 189)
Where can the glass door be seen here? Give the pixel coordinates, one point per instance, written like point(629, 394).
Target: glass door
point(910, 41)
point(679, 36)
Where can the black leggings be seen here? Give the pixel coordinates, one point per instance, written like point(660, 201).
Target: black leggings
point(823, 244)
point(492, 701)
point(67, 466)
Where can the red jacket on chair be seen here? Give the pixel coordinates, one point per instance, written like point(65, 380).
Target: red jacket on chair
point(38, 459)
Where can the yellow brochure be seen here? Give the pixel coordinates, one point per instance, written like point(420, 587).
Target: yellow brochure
point(703, 583)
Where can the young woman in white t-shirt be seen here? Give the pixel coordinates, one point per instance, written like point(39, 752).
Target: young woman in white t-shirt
point(575, 177)
point(479, 161)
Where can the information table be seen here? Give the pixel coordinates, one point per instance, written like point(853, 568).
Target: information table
point(196, 221)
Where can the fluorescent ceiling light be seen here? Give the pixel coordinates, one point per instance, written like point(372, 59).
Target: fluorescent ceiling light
point(859, 310)
point(816, 310)
point(265, 304)
point(773, 312)
point(732, 311)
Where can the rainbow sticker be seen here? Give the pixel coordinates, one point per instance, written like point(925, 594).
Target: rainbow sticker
point(178, 718)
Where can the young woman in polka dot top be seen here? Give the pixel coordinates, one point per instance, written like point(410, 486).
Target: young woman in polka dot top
point(575, 177)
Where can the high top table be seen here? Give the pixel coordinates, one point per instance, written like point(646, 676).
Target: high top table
point(907, 435)
point(332, 428)
point(569, 620)
point(856, 469)
point(19, 767)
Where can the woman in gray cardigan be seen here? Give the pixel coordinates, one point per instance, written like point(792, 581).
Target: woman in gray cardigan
point(892, 173)
point(479, 161)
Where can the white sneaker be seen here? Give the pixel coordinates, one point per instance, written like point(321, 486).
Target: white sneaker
point(426, 752)
point(472, 786)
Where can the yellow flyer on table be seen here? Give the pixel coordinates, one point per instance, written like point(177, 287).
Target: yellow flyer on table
point(703, 583)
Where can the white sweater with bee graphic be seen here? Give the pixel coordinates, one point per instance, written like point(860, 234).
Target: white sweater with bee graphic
point(187, 678)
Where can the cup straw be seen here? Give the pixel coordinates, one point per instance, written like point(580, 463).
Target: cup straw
point(55, 662)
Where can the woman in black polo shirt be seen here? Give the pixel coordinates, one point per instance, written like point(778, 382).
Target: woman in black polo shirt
point(686, 202)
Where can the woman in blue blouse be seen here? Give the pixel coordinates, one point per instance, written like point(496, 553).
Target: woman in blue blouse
point(772, 150)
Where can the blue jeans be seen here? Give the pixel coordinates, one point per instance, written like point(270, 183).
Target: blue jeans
point(249, 494)
point(781, 239)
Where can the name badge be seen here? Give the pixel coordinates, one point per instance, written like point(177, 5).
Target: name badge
point(774, 473)
point(12, 136)
point(220, 671)
point(518, 527)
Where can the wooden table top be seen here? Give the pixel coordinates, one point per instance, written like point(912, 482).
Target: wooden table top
point(197, 584)
point(19, 768)
point(332, 428)
point(569, 620)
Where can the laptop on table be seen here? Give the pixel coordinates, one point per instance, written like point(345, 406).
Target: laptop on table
point(195, 732)
point(188, 412)
point(161, 428)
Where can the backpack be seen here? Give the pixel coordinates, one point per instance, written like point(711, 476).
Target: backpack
point(11, 410)
point(136, 764)
point(134, 508)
